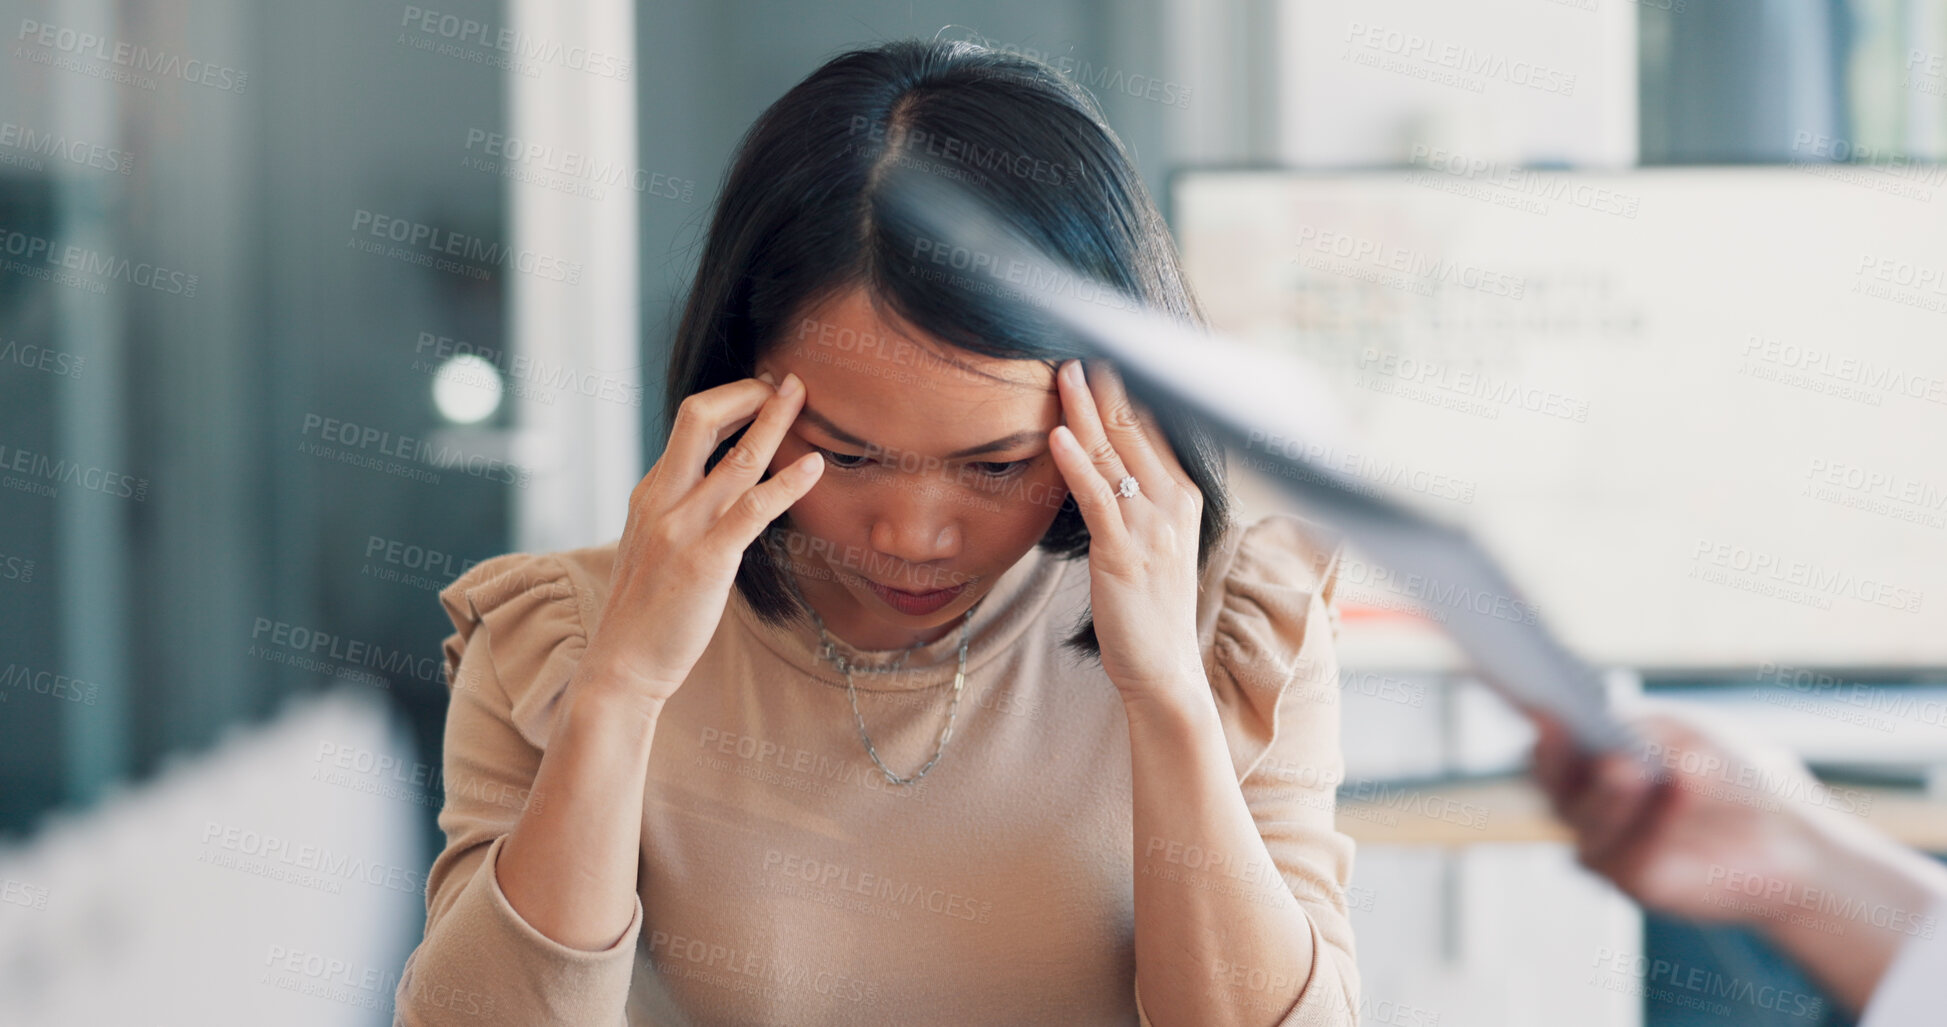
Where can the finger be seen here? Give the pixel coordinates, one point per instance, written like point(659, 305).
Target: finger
point(758, 506)
point(1166, 453)
point(1561, 768)
point(1100, 506)
point(1616, 799)
point(743, 464)
point(1085, 421)
point(1552, 760)
point(703, 420)
point(1130, 429)
point(1643, 843)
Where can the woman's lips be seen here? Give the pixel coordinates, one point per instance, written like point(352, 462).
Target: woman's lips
point(915, 603)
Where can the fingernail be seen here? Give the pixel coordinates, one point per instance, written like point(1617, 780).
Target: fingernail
point(1073, 369)
point(791, 385)
point(766, 377)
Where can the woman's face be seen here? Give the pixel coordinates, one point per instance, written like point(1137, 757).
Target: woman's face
point(937, 477)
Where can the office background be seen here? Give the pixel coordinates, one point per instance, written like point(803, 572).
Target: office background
point(254, 416)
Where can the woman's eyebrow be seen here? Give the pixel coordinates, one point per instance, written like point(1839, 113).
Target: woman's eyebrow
point(1006, 442)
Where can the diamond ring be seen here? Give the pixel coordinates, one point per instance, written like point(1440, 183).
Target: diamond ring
point(1127, 486)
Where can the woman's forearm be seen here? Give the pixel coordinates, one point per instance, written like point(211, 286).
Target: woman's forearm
point(569, 866)
point(1220, 939)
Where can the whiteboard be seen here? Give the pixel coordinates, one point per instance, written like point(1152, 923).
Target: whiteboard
point(1701, 414)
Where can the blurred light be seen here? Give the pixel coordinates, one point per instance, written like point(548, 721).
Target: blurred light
point(467, 389)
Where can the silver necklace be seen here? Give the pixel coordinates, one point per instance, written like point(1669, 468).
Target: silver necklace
point(829, 651)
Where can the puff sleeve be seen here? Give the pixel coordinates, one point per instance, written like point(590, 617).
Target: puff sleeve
point(1268, 621)
point(520, 626)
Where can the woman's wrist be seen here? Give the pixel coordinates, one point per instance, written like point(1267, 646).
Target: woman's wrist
point(1843, 875)
point(595, 696)
point(1844, 901)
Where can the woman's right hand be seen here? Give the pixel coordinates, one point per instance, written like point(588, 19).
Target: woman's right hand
point(686, 535)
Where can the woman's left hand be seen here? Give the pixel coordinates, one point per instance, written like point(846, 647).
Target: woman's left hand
point(1143, 548)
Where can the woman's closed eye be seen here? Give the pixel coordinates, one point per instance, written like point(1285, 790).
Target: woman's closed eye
point(856, 461)
point(1000, 468)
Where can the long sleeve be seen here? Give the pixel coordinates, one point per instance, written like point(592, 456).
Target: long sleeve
point(1270, 624)
point(1914, 988)
point(519, 629)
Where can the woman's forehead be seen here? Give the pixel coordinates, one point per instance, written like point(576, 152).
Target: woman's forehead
point(872, 400)
point(847, 332)
point(873, 382)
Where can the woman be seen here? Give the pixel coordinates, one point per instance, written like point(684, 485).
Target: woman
point(827, 737)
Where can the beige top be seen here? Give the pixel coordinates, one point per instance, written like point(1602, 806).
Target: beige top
point(784, 880)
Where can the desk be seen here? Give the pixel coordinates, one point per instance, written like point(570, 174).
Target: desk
point(1515, 811)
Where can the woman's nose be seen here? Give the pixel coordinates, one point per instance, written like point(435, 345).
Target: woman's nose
point(917, 529)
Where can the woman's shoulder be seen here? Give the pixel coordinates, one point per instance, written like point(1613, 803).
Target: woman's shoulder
point(563, 580)
point(1267, 570)
point(528, 617)
point(1267, 623)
